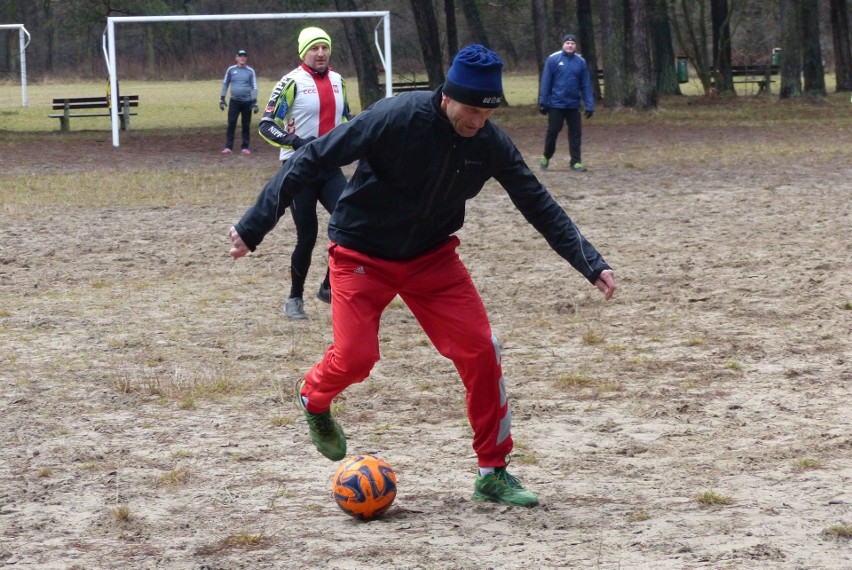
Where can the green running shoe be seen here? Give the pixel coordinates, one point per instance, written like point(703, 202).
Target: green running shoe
point(326, 433)
point(501, 487)
point(544, 163)
point(578, 167)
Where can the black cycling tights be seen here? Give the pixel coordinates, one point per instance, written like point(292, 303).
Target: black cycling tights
point(326, 190)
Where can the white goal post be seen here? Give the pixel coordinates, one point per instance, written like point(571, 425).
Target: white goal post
point(109, 47)
point(23, 42)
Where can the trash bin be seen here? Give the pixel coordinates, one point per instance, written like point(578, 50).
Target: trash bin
point(682, 71)
point(776, 56)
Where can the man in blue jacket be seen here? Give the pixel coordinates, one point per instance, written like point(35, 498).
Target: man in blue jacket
point(421, 156)
point(565, 86)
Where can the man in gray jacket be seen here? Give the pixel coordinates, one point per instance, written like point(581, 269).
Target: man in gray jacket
point(243, 83)
point(421, 156)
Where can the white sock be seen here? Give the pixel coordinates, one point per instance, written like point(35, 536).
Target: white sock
point(485, 471)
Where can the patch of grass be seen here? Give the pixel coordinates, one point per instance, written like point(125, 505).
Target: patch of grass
point(121, 513)
point(174, 478)
point(522, 454)
point(733, 365)
point(591, 337)
point(713, 498)
point(281, 421)
point(847, 307)
point(580, 379)
point(803, 464)
point(44, 472)
point(246, 539)
point(840, 531)
point(696, 341)
point(638, 516)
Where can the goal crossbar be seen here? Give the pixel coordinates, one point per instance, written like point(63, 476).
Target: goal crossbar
point(109, 43)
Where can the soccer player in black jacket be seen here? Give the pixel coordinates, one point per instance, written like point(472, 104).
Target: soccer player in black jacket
point(421, 156)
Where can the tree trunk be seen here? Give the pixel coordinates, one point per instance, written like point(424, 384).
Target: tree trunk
point(361, 44)
point(721, 18)
point(612, 37)
point(474, 22)
point(541, 34)
point(645, 86)
point(812, 68)
point(452, 30)
point(430, 45)
point(561, 25)
point(691, 36)
point(588, 48)
point(665, 66)
point(842, 49)
point(791, 55)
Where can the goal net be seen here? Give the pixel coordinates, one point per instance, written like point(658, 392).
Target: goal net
point(112, 21)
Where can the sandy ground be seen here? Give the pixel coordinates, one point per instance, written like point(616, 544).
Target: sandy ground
point(146, 405)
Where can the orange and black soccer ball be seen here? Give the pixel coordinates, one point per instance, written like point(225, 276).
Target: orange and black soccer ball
point(364, 487)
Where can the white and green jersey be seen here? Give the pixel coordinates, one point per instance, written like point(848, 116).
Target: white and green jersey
point(304, 105)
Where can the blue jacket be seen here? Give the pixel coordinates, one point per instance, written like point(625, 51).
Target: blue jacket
point(414, 176)
point(565, 83)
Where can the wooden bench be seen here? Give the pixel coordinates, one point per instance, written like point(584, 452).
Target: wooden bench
point(758, 74)
point(403, 86)
point(70, 107)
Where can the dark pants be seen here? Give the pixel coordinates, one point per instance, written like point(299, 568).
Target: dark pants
point(555, 119)
point(325, 189)
point(238, 109)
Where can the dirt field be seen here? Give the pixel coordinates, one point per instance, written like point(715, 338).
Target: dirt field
point(146, 405)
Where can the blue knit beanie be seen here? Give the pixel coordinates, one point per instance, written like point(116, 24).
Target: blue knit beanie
point(476, 78)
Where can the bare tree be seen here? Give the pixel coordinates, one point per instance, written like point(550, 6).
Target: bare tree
point(452, 30)
point(474, 22)
point(688, 19)
point(813, 71)
point(842, 50)
point(644, 86)
point(663, 55)
point(588, 48)
point(541, 34)
point(791, 54)
point(720, 17)
point(430, 44)
point(360, 42)
point(612, 37)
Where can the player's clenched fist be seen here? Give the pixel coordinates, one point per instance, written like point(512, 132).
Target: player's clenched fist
point(238, 246)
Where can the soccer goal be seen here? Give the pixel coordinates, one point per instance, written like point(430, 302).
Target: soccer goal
point(109, 42)
point(23, 42)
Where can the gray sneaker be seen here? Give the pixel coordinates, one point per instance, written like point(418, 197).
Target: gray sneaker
point(324, 293)
point(294, 308)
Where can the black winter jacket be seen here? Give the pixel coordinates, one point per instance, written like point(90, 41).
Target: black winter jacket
point(414, 175)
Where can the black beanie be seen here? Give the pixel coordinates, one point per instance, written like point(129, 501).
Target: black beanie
point(569, 38)
point(476, 78)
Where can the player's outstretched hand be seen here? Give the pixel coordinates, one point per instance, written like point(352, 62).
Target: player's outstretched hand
point(589, 114)
point(238, 246)
point(221, 104)
point(606, 283)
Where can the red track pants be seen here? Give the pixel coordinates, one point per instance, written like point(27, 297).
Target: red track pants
point(440, 293)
